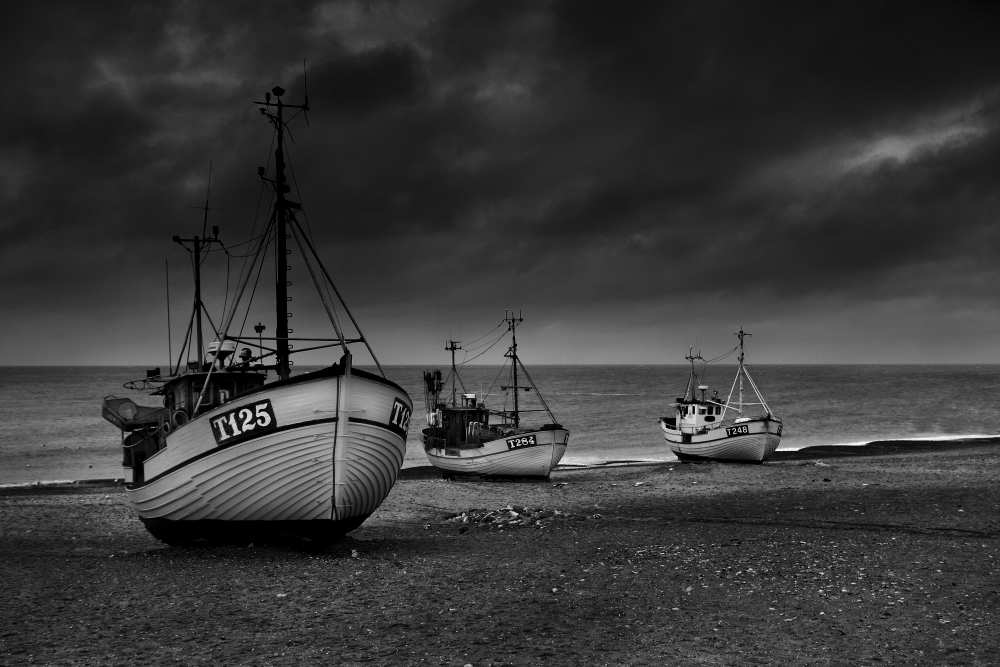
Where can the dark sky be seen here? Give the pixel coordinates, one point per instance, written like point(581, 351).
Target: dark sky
point(636, 177)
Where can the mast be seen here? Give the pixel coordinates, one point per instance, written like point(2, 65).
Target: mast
point(740, 371)
point(198, 246)
point(451, 346)
point(693, 378)
point(281, 249)
point(282, 206)
point(512, 323)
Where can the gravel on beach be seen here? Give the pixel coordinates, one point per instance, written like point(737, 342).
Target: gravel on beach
point(882, 554)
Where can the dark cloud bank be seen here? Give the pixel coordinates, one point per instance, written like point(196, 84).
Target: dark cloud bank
point(636, 177)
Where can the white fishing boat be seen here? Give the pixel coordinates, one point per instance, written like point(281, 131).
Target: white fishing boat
point(711, 428)
point(465, 438)
point(239, 447)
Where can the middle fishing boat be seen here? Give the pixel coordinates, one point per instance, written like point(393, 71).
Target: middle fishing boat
point(710, 428)
point(465, 438)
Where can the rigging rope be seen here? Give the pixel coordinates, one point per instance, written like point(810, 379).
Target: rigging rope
point(246, 269)
point(262, 246)
point(265, 243)
point(296, 234)
point(491, 346)
point(306, 234)
point(340, 298)
point(721, 356)
point(489, 391)
point(298, 191)
point(537, 393)
point(471, 344)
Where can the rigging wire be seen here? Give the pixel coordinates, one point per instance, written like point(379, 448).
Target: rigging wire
point(227, 249)
point(225, 299)
point(721, 356)
point(296, 234)
point(298, 190)
point(326, 274)
point(262, 248)
point(333, 286)
point(264, 245)
point(491, 346)
point(489, 391)
point(184, 350)
point(537, 392)
point(250, 259)
point(471, 344)
point(703, 373)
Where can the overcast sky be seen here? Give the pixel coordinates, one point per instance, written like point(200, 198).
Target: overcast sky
point(635, 177)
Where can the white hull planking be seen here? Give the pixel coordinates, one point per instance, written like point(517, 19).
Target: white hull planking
point(322, 469)
point(494, 458)
point(757, 445)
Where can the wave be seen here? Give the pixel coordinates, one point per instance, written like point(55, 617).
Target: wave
point(906, 438)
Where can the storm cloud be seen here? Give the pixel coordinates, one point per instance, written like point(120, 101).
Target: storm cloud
point(636, 177)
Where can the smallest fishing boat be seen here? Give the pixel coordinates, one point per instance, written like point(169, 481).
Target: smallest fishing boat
point(709, 428)
point(464, 438)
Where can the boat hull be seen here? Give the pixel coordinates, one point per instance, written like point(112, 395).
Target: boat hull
point(498, 458)
point(325, 464)
point(752, 441)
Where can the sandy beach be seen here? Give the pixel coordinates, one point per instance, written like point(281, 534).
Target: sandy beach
point(887, 553)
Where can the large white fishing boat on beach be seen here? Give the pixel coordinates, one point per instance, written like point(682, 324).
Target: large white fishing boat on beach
point(466, 438)
point(711, 428)
point(233, 451)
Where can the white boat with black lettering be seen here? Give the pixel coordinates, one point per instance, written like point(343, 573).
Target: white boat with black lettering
point(241, 448)
point(710, 428)
point(466, 438)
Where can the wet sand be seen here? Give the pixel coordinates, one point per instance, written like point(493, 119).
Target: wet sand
point(884, 553)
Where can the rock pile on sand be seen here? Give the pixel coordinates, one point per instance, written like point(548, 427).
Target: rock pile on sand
point(510, 516)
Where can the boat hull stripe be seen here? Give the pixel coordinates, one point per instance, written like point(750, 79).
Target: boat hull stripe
point(215, 450)
point(388, 427)
point(330, 420)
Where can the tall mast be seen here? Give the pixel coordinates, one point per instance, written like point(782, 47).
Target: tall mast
point(739, 371)
point(281, 238)
point(282, 205)
point(692, 379)
point(451, 346)
point(512, 323)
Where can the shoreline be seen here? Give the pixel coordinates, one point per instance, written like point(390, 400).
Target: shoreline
point(858, 559)
point(873, 448)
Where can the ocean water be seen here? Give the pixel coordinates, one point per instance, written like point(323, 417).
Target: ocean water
point(51, 426)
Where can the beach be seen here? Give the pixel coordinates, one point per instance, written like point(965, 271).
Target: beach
point(885, 553)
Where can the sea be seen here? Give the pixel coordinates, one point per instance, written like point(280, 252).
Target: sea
point(51, 427)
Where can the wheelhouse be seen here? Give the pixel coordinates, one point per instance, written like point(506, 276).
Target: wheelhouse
point(462, 424)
